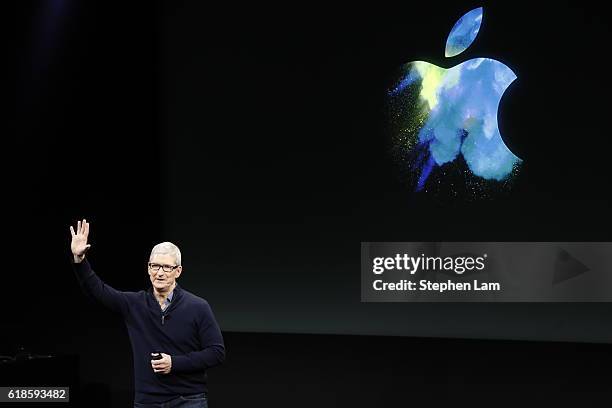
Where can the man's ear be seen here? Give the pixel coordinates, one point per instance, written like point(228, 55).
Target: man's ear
point(178, 271)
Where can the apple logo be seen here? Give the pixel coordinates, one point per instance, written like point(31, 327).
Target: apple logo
point(448, 117)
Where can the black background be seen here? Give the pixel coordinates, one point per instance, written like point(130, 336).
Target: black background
point(254, 138)
point(275, 131)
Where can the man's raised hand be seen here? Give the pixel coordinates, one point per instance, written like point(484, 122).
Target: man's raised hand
point(79, 243)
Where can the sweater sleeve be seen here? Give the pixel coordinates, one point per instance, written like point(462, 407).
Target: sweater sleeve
point(211, 340)
point(94, 287)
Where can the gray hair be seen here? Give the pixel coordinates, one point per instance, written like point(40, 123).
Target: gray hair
point(167, 248)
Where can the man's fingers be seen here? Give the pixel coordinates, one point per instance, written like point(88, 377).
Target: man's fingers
point(158, 369)
point(82, 228)
point(72, 231)
point(161, 366)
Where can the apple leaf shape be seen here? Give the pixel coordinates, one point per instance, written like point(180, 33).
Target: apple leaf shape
point(464, 32)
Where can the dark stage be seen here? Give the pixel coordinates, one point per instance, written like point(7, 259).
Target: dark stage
point(305, 370)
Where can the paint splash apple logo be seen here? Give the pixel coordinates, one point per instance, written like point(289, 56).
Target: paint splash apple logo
point(445, 120)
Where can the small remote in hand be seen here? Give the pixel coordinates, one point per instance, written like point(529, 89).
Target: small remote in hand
point(156, 356)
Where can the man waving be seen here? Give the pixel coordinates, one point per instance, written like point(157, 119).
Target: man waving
point(174, 335)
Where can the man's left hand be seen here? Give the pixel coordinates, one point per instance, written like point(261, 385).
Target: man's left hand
point(163, 365)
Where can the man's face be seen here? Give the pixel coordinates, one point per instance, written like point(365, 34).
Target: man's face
point(164, 277)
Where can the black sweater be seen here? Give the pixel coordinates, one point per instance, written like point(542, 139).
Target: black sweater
point(186, 330)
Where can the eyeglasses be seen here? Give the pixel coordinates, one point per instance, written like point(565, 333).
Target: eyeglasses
point(166, 268)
